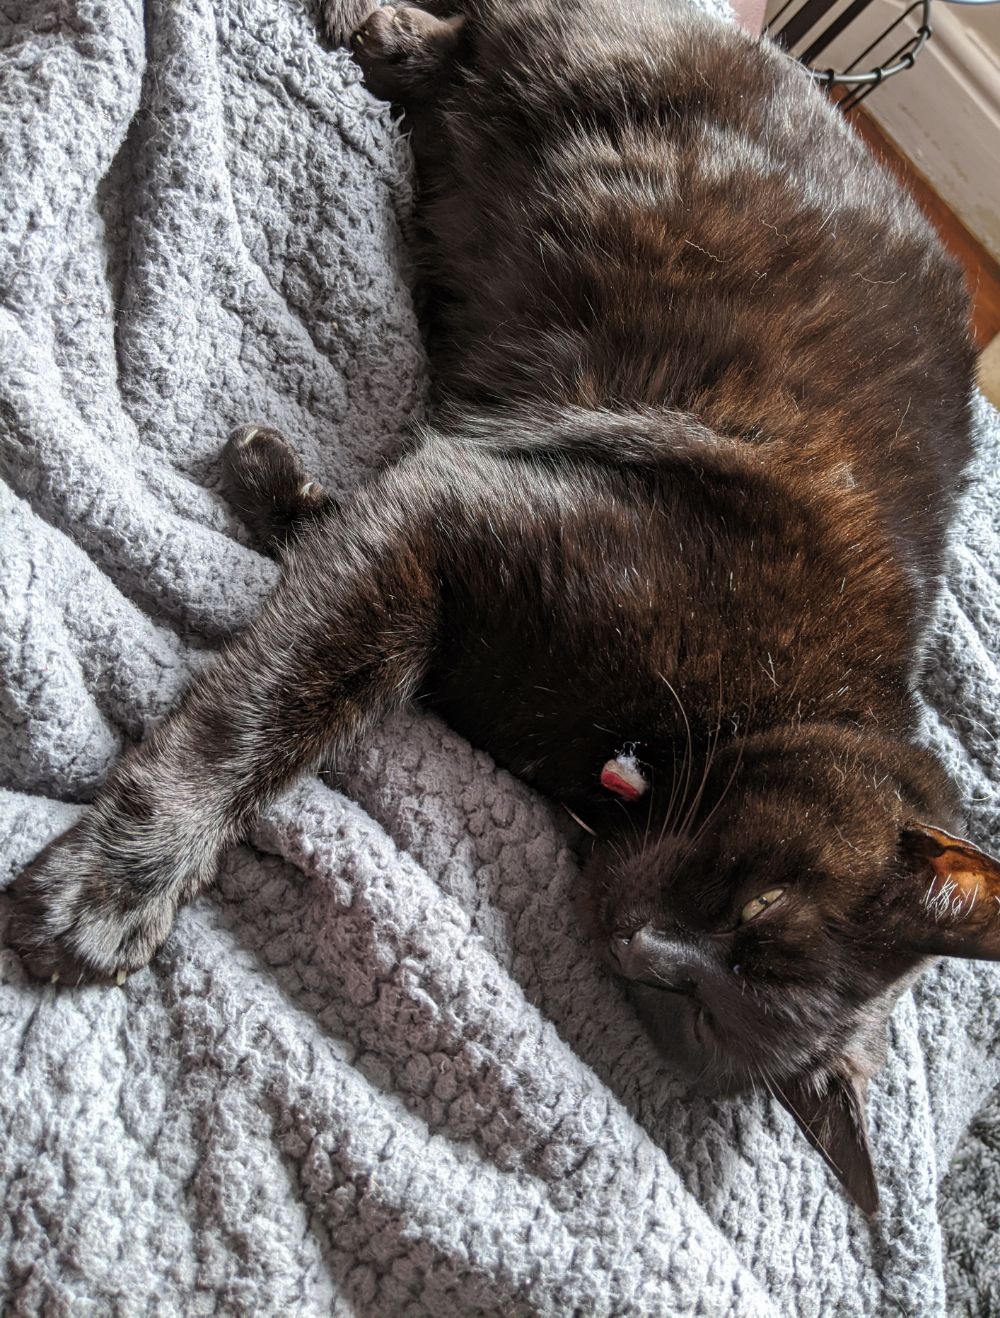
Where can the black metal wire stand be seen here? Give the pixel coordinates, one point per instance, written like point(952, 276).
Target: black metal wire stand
point(799, 37)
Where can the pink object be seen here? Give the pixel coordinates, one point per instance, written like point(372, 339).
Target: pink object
point(623, 776)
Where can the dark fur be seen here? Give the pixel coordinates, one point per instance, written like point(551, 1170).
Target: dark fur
point(704, 382)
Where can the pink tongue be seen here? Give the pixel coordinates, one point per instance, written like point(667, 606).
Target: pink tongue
point(628, 784)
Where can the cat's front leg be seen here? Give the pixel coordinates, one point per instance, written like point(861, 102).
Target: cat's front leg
point(345, 638)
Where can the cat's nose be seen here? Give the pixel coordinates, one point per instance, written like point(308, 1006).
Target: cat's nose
point(643, 954)
point(632, 951)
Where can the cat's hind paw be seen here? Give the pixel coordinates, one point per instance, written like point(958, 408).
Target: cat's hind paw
point(401, 49)
point(339, 18)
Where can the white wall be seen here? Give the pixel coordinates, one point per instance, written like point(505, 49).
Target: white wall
point(983, 21)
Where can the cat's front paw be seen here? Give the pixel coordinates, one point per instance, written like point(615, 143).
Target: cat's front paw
point(78, 919)
point(268, 486)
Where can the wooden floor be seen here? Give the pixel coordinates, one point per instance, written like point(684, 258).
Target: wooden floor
point(982, 272)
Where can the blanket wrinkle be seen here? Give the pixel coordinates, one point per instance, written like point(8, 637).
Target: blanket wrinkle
point(377, 1070)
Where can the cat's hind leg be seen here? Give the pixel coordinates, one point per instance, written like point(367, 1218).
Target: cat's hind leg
point(266, 483)
point(405, 51)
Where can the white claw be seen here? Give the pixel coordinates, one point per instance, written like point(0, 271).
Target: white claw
point(305, 488)
point(249, 435)
point(55, 977)
point(121, 977)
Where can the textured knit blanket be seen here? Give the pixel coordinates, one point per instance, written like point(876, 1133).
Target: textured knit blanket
point(377, 1071)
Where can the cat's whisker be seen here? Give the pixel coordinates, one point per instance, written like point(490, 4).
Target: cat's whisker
point(696, 800)
point(680, 825)
point(768, 1080)
point(617, 851)
point(687, 732)
point(753, 1081)
point(668, 818)
point(649, 816)
point(781, 1097)
point(577, 820)
point(700, 831)
point(741, 751)
point(631, 820)
point(709, 761)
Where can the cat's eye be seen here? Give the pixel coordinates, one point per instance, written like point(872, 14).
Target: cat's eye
point(756, 905)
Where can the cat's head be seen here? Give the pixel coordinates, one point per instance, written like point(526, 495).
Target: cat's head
point(768, 919)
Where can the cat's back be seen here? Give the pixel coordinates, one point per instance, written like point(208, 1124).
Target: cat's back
point(647, 207)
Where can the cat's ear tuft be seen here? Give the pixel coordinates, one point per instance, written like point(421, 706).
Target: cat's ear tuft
point(954, 909)
point(829, 1109)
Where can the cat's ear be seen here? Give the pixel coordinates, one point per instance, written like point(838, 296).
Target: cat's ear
point(954, 907)
point(829, 1109)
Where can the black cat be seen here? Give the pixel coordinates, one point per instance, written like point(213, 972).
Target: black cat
point(667, 553)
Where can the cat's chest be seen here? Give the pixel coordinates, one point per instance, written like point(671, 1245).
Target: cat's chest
point(588, 616)
point(557, 737)
point(556, 690)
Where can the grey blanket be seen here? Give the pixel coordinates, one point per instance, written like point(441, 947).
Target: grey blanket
point(377, 1071)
